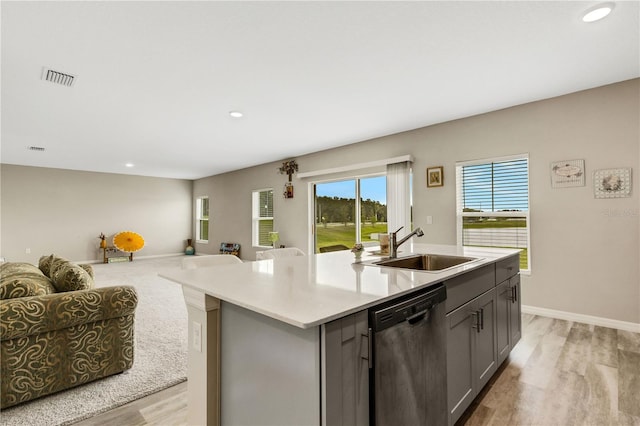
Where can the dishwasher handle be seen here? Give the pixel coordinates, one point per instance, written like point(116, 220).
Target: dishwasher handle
point(418, 316)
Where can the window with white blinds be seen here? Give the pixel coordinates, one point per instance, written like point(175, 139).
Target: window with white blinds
point(493, 204)
point(202, 219)
point(262, 201)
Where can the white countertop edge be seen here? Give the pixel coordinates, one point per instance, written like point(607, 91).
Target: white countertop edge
point(485, 256)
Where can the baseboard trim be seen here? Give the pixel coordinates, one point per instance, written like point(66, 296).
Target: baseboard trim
point(586, 319)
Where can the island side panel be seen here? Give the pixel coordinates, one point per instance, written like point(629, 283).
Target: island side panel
point(270, 370)
point(203, 385)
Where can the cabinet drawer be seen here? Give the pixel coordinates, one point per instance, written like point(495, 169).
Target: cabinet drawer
point(506, 268)
point(467, 286)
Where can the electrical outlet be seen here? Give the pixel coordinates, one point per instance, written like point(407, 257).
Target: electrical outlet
point(27, 251)
point(197, 336)
point(429, 220)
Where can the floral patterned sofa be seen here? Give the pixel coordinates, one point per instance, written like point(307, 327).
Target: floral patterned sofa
point(58, 331)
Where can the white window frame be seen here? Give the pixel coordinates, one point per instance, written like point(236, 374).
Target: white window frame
point(256, 218)
point(460, 214)
point(200, 218)
point(357, 209)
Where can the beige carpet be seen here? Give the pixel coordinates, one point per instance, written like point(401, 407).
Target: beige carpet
point(160, 358)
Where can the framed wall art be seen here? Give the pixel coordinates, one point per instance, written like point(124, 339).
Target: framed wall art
point(612, 183)
point(435, 176)
point(567, 173)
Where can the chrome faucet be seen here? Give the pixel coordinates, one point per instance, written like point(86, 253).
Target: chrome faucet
point(394, 244)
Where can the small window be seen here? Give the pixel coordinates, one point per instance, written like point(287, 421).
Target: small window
point(202, 219)
point(262, 201)
point(493, 205)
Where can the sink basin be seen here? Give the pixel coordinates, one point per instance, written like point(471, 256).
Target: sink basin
point(426, 262)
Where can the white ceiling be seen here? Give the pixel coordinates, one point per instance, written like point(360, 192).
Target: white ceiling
point(156, 80)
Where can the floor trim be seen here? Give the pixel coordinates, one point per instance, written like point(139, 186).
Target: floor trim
point(586, 319)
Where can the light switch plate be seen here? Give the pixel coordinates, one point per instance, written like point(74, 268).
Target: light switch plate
point(197, 336)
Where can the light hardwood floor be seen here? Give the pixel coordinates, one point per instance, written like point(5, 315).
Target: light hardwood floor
point(561, 373)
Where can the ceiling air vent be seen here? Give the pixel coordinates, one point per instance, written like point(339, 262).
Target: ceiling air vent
point(58, 77)
point(35, 148)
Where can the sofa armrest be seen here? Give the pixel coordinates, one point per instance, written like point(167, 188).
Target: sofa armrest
point(27, 316)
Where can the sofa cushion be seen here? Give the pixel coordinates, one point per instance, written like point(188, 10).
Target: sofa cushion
point(19, 279)
point(66, 276)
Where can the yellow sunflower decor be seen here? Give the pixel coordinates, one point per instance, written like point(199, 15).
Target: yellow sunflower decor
point(128, 242)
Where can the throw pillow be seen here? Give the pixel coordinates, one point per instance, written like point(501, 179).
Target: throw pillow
point(87, 268)
point(45, 264)
point(67, 276)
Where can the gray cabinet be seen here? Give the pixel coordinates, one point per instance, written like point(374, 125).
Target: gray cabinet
point(515, 312)
point(509, 318)
point(504, 295)
point(486, 362)
point(471, 351)
point(346, 371)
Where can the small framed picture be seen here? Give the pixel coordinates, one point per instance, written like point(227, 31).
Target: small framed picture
point(435, 176)
point(612, 183)
point(288, 190)
point(567, 173)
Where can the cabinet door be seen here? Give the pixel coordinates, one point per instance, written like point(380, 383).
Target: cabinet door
point(346, 371)
point(460, 340)
point(515, 314)
point(504, 307)
point(485, 339)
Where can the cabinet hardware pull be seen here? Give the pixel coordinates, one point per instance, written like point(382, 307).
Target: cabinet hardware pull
point(369, 357)
point(481, 318)
point(476, 322)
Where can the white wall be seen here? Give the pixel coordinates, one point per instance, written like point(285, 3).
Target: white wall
point(585, 251)
point(64, 211)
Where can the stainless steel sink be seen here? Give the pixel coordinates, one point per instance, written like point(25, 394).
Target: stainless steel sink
point(426, 262)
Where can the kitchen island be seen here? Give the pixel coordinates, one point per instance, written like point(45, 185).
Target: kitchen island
point(262, 334)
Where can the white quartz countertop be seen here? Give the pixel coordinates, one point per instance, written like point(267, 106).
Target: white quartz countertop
point(306, 291)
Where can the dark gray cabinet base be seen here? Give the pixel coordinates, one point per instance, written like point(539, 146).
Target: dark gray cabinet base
point(471, 351)
point(482, 331)
point(346, 371)
point(483, 324)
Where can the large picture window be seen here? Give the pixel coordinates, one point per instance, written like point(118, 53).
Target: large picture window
point(262, 202)
point(349, 211)
point(202, 219)
point(493, 204)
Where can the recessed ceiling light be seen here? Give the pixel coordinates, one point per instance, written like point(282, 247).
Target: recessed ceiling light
point(236, 114)
point(598, 12)
point(129, 165)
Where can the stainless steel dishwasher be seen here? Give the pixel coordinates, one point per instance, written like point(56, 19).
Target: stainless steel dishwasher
point(408, 379)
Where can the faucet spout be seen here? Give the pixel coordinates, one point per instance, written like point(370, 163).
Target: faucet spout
point(395, 244)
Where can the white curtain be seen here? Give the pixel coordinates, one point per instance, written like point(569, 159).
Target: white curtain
point(399, 197)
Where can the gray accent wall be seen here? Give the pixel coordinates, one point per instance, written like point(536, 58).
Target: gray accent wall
point(63, 212)
point(585, 251)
